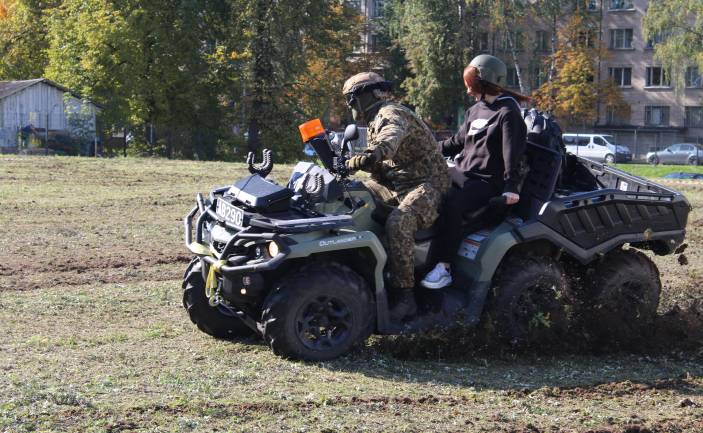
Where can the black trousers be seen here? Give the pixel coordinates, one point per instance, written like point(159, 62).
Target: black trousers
point(473, 196)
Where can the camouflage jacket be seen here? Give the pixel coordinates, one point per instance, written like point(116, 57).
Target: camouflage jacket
point(409, 151)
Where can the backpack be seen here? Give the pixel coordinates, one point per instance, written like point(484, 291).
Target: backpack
point(542, 129)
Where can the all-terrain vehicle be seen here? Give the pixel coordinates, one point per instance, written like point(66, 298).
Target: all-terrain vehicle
point(303, 265)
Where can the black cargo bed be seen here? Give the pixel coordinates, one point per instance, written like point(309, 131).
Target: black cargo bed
point(626, 209)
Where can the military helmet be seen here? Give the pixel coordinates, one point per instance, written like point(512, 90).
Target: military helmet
point(365, 80)
point(491, 69)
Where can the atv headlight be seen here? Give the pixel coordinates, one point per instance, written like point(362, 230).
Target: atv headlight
point(273, 249)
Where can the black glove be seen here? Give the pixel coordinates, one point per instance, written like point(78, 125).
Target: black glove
point(362, 162)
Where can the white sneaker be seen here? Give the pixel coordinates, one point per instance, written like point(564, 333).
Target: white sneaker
point(437, 278)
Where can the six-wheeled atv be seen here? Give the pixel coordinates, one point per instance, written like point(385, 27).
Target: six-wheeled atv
point(303, 265)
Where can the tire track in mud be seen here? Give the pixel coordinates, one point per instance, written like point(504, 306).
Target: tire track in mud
point(130, 419)
point(76, 270)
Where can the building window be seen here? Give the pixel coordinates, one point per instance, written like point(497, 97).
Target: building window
point(537, 77)
point(693, 77)
point(587, 38)
point(374, 45)
point(656, 115)
point(378, 8)
point(656, 77)
point(621, 39)
point(542, 40)
point(512, 80)
point(619, 5)
point(516, 38)
point(617, 116)
point(592, 5)
point(621, 76)
point(358, 46)
point(354, 4)
point(694, 117)
point(483, 42)
point(657, 38)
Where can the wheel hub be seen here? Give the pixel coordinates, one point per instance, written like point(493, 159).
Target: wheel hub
point(323, 323)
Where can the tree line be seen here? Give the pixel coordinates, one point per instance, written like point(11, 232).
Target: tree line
point(215, 78)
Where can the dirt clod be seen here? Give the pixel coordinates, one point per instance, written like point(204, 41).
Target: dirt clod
point(687, 402)
point(681, 248)
point(683, 260)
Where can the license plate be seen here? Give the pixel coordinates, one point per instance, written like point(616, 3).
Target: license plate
point(230, 213)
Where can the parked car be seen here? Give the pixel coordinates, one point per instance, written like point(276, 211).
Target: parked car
point(598, 147)
point(680, 153)
point(682, 175)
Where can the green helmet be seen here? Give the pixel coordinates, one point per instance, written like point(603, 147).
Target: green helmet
point(365, 80)
point(491, 69)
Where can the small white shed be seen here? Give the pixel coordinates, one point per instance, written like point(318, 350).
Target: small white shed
point(43, 107)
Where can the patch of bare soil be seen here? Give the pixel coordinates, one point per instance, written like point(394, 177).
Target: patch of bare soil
point(83, 268)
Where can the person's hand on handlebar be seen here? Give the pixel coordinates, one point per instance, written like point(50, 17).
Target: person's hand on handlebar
point(511, 198)
point(361, 162)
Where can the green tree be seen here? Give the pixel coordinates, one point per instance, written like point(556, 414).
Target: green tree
point(143, 62)
point(23, 41)
point(436, 40)
point(289, 56)
point(678, 27)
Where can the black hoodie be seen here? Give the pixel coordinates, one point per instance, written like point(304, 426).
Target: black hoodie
point(490, 143)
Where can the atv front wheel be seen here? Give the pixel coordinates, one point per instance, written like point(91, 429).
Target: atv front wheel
point(623, 296)
point(530, 301)
point(215, 321)
point(318, 313)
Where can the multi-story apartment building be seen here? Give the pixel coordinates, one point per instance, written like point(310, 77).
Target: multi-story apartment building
point(658, 116)
point(372, 10)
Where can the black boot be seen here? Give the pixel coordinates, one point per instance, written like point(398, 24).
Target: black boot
point(404, 305)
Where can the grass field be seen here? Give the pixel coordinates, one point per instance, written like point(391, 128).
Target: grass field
point(654, 171)
point(93, 337)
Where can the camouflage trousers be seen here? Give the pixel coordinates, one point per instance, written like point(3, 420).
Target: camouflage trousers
point(415, 210)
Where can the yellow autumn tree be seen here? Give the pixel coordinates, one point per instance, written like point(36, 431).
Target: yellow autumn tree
point(575, 92)
point(317, 91)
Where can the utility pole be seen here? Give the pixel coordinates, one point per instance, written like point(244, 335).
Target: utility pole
point(46, 135)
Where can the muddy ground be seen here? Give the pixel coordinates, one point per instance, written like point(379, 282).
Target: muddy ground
point(93, 337)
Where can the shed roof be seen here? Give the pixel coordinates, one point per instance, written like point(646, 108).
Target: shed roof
point(8, 88)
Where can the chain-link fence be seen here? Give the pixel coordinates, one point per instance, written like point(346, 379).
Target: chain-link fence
point(642, 141)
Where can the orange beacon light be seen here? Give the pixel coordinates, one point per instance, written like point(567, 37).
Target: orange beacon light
point(311, 129)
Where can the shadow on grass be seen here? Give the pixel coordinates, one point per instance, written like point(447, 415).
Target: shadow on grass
point(669, 359)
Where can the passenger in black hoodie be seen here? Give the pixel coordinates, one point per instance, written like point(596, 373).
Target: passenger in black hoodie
point(488, 151)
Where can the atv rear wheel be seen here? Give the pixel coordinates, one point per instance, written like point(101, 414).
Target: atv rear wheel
point(530, 302)
point(215, 321)
point(318, 313)
point(623, 296)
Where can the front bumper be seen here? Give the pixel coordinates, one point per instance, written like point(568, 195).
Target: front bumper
point(234, 264)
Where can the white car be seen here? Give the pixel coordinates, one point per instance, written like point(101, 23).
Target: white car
point(597, 147)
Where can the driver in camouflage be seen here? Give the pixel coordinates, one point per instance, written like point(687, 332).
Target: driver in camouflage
point(408, 176)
